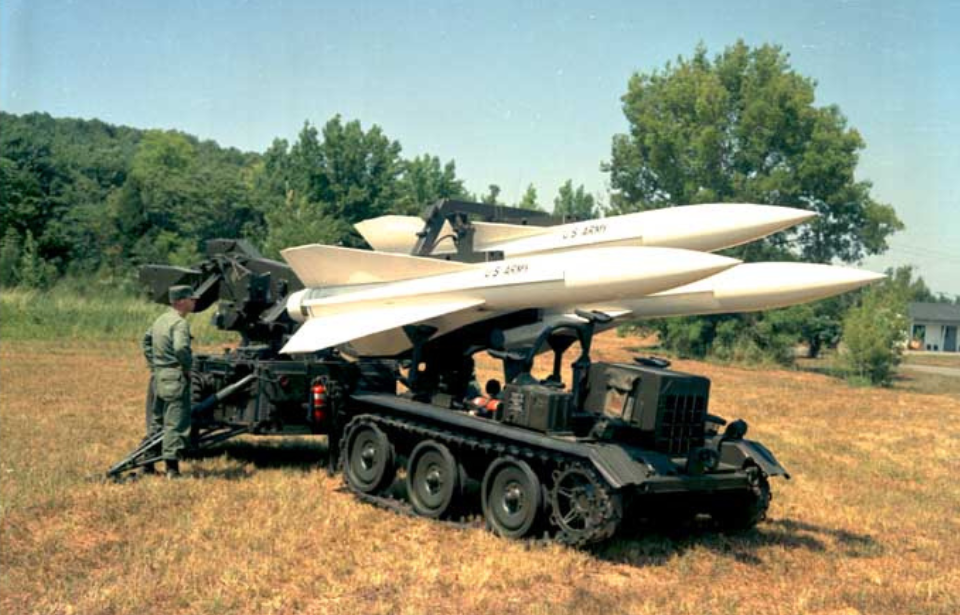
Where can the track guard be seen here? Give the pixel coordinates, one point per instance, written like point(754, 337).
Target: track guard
point(739, 452)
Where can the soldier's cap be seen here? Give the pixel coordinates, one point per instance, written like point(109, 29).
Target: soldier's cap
point(177, 293)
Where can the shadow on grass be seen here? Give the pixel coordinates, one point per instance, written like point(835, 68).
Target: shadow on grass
point(654, 545)
point(647, 544)
point(297, 455)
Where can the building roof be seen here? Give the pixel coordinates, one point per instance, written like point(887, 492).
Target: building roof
point(934, 311)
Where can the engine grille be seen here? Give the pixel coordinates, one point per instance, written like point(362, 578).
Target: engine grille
point(681, 422)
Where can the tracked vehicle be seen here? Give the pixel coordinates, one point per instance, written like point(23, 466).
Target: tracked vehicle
point(577, 461)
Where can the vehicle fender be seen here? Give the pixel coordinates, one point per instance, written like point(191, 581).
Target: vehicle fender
point(740, 452)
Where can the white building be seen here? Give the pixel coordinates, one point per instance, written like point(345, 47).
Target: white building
point(933, 326)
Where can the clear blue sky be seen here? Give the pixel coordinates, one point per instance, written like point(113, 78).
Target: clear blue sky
point(514, 92)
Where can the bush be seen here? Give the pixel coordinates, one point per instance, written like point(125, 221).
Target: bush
point(874, 334)
point(689, 337)
point(9, 257)
point(760, 338)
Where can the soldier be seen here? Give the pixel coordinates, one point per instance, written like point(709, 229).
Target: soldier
point(166, 346)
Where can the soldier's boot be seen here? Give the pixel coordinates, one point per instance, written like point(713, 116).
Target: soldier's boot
point(173, 468)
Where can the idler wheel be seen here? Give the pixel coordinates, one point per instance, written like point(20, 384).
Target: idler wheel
point(742, 511)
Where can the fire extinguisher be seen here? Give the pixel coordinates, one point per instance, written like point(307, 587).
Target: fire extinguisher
point(318, 403)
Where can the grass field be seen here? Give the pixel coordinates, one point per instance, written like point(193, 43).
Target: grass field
point(96, 315)
point(869, 524)
point(940, 359)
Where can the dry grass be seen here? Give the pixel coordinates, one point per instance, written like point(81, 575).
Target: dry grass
point(942, 359)
point(869, 524)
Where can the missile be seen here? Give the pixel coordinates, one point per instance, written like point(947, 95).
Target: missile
point(748, 287)
point(706, 227)
point(352, 294)
point(752, 287)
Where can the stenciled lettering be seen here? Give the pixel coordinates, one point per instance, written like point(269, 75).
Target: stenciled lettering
point(503, 270)
point(585, 231)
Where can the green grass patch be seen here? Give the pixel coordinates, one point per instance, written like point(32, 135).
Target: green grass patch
point(96, 315)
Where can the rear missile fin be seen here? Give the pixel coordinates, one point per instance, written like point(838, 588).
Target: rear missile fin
point(398, 234)
point(318, 265)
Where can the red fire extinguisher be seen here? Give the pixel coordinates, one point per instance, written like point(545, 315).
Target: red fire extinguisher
point(318, 403)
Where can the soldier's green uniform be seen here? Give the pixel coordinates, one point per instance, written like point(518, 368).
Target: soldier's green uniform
point(166, 346)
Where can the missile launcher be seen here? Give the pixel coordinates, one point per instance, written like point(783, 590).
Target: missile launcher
point(375, 350)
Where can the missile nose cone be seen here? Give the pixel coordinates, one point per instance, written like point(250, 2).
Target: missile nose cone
point(785, 217)
point(691, 262)
point(715, 261)
point(849, 278)
point(775, 284)
point(763, 219)
point(679, 267)
point(789, 215)
point(627, 272)
point(838, 279)
point(680, 260)
point(714, 226)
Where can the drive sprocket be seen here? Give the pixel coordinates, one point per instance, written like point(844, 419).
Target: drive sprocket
point(584, 509)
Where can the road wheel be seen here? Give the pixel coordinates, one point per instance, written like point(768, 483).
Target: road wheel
point(371, 463)
point(511, 498)
point(434, 480)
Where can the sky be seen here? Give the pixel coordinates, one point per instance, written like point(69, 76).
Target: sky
point(517, 93)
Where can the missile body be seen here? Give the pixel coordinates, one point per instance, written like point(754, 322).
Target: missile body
point(694, 227)
point(748, 287)
point(337, 315)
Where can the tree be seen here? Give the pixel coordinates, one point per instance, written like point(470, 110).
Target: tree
point(160, 195)
point(912, 288)
point(570, 203)
point(424, 181)
point(99, 197)
point(743, 128)
point(358, 171)
point(874, 334)
point(335, 177)
point(529, 199)
point(32, 270)
point(299, 221)
point(490, 198)
point(9, 257)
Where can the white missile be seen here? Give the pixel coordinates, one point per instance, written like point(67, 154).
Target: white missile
point(352, 294)
point(752, 287)
point(694, 227)
point(747, 287)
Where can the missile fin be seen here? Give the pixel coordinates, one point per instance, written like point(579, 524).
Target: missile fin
point(327, 331)
point(396, 234)
point(318, 265)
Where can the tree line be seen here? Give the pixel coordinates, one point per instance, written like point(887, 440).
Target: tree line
point(86, 198)
point(83, 197)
